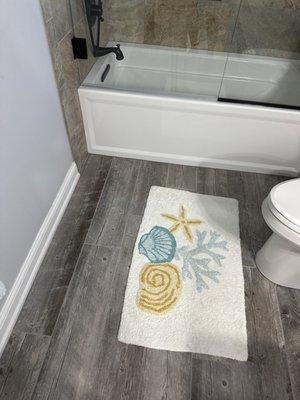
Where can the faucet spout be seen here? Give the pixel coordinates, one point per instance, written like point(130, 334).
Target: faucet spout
point(102, 51)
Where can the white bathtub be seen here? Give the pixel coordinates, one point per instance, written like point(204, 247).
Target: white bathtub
point(161, 104)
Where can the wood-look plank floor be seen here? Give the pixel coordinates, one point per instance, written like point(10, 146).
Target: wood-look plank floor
point(64, 345)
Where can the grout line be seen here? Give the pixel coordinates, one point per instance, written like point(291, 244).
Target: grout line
point(63, 37)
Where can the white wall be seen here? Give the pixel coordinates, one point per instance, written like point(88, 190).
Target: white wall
point(34, 151)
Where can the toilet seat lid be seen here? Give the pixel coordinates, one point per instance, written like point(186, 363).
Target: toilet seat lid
point(285, 198)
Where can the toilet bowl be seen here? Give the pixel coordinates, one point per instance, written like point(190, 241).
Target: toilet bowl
point(279, 258)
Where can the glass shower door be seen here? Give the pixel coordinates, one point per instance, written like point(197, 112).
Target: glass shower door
point(263, 65)
point(172, 47)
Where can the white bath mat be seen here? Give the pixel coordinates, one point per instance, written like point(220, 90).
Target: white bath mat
point(185, 290)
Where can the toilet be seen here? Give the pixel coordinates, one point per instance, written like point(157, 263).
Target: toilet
point(279, 258)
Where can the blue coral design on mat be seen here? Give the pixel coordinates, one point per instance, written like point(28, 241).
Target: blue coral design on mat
point(197, 259)
point(200, 262)
point(159, 245)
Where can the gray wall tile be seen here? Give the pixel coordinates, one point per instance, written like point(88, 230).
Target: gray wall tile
point(61, 17)
point(84, 66)
point(267, 31)
point(78, 10)
point(69, 72)
point(46, 8)
point(50, 31)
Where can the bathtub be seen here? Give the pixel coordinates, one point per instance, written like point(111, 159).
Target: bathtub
point(161, 104)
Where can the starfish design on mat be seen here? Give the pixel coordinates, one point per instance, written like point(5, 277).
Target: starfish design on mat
point(182, 223)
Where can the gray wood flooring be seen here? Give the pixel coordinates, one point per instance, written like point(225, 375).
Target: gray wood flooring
point(64, 345)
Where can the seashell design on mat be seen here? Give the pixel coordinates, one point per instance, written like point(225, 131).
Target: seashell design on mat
point(159, 245)
point(160, 288)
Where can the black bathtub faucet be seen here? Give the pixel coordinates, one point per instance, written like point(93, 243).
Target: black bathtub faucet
point(102, 51)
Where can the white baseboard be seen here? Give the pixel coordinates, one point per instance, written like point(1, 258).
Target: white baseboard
point(30, 267)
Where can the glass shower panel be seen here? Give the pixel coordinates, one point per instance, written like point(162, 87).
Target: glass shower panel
point(188, 24)
point(263, 66)
point(172, 47)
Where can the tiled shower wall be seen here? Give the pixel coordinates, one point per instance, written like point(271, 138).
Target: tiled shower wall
point(59, 22)
point(262, 27)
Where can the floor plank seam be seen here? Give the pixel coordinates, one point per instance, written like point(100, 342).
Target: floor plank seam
point(58, 375)
point(68, 287)
point(103, 191)
point(83, 167)
point(30, 333)
point(127, 209)
point(55, 327)
point(250, 266)
point(99, 200)
point(284, 349)
point(11, 361)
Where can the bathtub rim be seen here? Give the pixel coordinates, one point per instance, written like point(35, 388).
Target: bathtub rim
point(257, 111)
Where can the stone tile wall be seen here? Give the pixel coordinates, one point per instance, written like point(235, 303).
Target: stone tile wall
point(263, 27)
point(268, 27)
point(59, 17)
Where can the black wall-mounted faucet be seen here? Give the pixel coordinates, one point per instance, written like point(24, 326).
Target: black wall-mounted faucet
point(102, 51)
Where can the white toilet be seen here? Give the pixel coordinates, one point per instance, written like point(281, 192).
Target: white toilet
point(279, 258)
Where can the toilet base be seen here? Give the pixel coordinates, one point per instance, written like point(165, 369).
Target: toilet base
point(279, 261)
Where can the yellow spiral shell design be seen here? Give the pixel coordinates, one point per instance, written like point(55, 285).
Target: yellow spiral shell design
point(160, 288)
